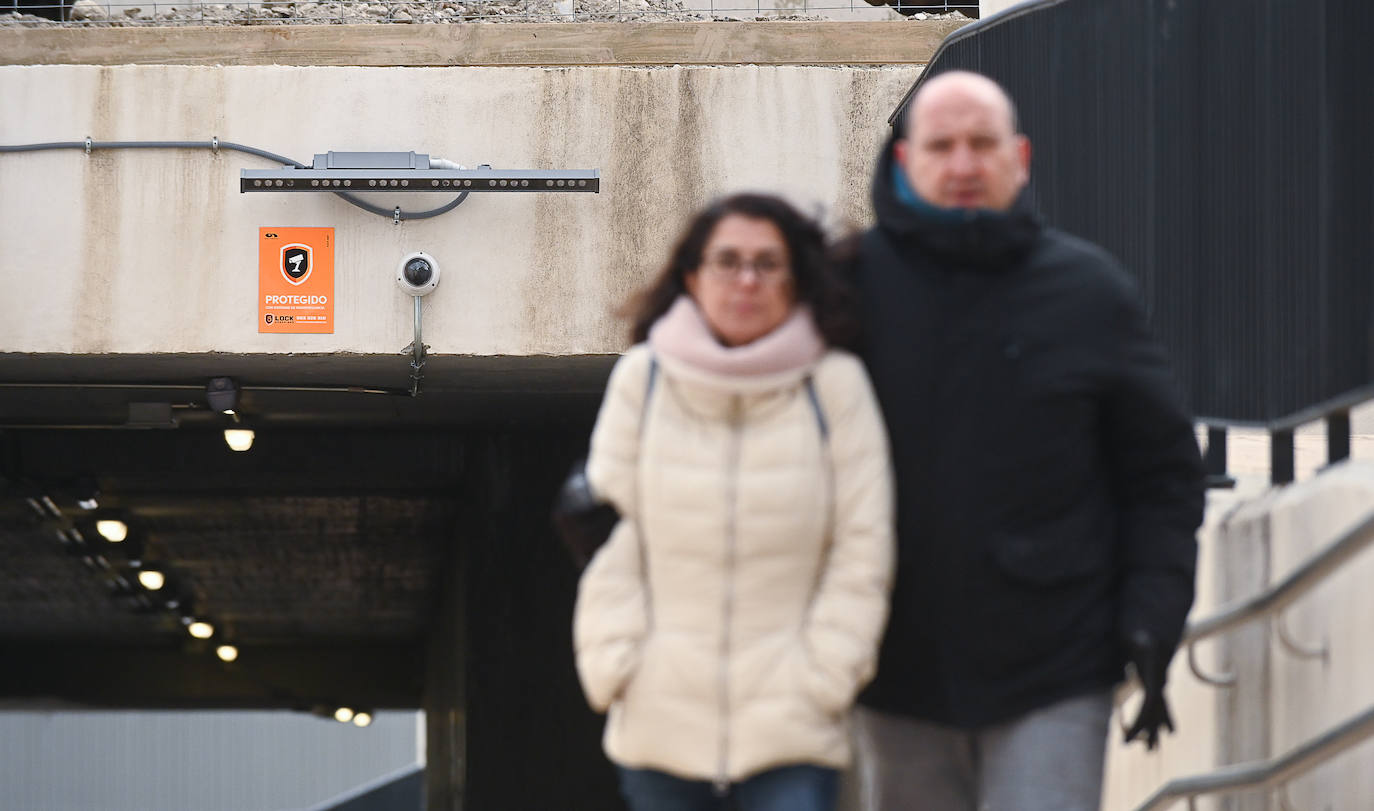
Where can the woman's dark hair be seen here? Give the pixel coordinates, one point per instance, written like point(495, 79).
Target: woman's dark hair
point(815, 281)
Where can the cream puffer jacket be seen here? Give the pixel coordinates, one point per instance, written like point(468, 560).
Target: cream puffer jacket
point(733, 636)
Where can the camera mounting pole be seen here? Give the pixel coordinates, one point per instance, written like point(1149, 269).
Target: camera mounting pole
point(417, 349)
point(417, 274)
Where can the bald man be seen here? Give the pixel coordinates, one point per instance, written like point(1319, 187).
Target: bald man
point(1049, 482)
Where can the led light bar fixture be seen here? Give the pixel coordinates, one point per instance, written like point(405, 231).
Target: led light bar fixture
point(410, 171)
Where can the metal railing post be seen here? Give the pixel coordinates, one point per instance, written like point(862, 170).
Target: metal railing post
point(1214, 459)
point(1281, 456)
point(1337, 436)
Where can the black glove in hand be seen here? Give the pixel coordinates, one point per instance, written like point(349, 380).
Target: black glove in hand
point(1151, 666)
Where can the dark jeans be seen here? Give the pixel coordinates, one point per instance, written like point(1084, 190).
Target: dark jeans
point(789, 788)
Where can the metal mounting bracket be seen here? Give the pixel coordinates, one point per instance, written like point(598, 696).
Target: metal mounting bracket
point(1289, 644)
point(1226, 680)
point(417, 354)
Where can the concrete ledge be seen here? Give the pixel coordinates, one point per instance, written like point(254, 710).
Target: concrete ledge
point(476, 44)
point(285, 677)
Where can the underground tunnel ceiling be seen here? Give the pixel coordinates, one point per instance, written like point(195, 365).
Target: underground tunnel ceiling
point(327, 536)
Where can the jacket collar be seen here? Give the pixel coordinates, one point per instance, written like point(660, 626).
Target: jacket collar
point(688, 350)
point(973, 238)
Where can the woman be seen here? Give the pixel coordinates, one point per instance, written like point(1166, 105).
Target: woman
point(736, 609)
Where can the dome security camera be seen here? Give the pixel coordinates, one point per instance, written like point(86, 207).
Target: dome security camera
point(417, 274)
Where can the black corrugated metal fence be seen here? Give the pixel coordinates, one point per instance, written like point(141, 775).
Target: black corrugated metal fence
point(1224, 150)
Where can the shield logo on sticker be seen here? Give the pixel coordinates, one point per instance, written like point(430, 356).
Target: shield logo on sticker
point(295, 262)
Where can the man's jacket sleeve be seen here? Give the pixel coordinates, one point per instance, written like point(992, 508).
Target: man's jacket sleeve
point(1157, 478)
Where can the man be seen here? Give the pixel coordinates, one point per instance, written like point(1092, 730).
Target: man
point(1049, 483)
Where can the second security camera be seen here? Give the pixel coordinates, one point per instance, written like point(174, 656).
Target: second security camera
point(418, 274)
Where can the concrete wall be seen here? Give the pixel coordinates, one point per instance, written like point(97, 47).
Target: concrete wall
point(146, 251)
point(989, 7)
point(166, 761)
point(1308, 696)
point(1253, 537)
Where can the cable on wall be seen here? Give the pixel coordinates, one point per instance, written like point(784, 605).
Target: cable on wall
point(395, 214)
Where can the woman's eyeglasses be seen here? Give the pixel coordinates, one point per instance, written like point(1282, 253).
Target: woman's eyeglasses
point(731, 267)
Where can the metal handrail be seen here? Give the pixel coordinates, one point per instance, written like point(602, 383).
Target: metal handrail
point(1271, 600)
point(1267, 773)
point(1278, 596)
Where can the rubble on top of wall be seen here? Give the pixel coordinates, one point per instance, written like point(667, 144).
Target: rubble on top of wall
point(120, 13)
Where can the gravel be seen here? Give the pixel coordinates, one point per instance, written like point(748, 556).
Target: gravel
point(120, 13)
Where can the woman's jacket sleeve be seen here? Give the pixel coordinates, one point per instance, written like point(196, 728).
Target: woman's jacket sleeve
point(611, 617)
point(849, 611)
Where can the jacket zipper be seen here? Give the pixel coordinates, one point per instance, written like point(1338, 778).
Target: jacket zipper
point(722, 782)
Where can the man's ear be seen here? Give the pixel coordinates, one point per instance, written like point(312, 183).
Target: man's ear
point(899, 151)
point(1023, 155)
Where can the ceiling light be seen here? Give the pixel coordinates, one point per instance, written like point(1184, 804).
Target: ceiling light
point(239, 439)
point(72, 540)
point(112, 530)
point(201, 629)
point(152, 579)
point(362, 719)
point(43, 506)
point(227, 653)
point(343, 715)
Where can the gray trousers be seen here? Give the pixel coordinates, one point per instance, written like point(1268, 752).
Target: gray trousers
point(1048, 760)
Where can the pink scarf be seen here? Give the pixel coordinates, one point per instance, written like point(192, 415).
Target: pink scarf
point(683, 335)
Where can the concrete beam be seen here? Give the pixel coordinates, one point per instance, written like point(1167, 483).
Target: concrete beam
point(294, 677)
point(155, 251)
point(518, 44)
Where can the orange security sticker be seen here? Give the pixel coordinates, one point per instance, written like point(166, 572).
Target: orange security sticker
point(296, 280)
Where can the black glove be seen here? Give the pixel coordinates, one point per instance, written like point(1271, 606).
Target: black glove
point(1151, 664)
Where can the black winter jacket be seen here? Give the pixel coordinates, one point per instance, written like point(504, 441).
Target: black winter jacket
point(1049, 485)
